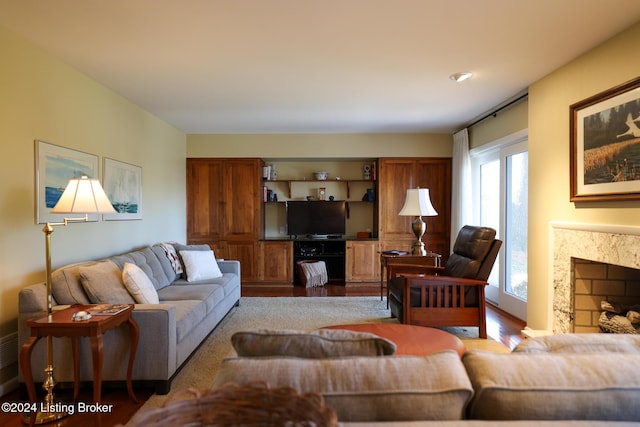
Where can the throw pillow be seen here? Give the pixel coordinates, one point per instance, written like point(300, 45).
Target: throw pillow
point(172, 256)
point(200, 265)
point(102, 282)
point(139, 285)
point(320, 344)
point(180, 248)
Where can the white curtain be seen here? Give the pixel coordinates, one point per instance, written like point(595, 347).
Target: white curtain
point(461, 201)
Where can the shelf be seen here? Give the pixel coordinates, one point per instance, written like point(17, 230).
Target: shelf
point(289, 182)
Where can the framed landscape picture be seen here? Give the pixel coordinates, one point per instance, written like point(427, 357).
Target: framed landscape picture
point(605, 145)
point(123, 186)
point(55, 166)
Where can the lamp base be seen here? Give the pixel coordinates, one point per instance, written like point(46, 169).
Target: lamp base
point(43, 417)
point(419, 227)
point(418, 249)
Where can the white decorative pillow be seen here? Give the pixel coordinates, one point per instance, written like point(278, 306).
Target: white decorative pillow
point(200, 265)
point(139, 285)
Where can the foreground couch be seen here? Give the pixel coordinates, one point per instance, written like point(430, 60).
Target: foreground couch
point(586, 379)
point(179, 313)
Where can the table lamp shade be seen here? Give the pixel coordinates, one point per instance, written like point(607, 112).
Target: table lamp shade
point(83, 195)
point(418, 203)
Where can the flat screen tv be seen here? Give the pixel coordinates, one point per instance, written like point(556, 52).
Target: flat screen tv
point(316, 218)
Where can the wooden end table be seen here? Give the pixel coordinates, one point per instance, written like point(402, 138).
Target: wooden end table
point(61, 325)
point(407, 262)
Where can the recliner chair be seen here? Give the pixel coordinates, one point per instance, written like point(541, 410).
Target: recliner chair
point(453, 296)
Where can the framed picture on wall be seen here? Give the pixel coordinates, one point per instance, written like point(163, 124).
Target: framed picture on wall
point(55, 166)
point(605, 145)
point(123, 185)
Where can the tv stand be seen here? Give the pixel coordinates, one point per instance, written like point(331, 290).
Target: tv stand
point(329, 250)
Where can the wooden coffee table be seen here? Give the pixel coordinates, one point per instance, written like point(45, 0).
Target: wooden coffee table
point(62, 325)
point(410, 339)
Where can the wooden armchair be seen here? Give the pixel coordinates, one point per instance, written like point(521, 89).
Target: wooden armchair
point(449, 296)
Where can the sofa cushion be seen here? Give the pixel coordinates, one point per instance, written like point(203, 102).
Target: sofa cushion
point(318, 344)
point(596, 386)
point(200, 265)
point(210, 294)
point(581, 343)
point(147, 260)
point(189, 313)
point(366, 388)
point(102, 283)
point(139, 285)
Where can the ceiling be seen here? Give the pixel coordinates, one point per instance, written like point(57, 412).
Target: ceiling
point(313, 66)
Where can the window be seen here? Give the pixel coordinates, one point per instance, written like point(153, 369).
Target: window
point(501, 202)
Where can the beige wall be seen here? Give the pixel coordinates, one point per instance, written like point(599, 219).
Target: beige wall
point(287, 146)
point(42, 98)
point(506, 122)
point(606, 66)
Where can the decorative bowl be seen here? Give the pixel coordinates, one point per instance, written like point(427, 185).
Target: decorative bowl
point(321, 176)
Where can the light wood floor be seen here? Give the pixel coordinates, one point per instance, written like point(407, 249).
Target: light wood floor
point(500, 327)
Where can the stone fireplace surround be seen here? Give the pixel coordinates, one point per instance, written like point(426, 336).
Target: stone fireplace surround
point(609, 244)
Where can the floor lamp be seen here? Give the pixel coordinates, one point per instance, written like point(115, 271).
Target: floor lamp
point(81, 196)
point(418, 204)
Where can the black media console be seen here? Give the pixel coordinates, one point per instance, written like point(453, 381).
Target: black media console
point(330, 251)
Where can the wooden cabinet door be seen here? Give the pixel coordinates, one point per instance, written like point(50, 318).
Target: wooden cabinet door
point(362, 261)
point(204, 200)
point(247, 253)
point(396, 175)
point(242, 199)
point(276, 261)
point(435, 174)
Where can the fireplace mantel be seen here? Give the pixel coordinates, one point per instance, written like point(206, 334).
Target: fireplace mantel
point(609, 244)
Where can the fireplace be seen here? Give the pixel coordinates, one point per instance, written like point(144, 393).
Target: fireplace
point(618, 246)
point(597, 282)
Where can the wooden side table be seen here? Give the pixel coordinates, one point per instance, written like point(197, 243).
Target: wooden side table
point(61, 325)
point(408, 262)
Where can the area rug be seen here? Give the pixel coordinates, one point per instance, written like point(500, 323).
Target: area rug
point(287, 313)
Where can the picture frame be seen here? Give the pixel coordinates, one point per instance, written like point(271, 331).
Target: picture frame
point(605, 145)
point(55, 166)
point(123, 186)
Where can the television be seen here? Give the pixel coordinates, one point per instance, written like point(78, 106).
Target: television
point(316, 218)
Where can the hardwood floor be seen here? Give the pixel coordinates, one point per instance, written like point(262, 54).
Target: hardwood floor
point(500, 326)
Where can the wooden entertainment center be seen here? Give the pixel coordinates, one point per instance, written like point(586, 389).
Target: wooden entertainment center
point(226, 210)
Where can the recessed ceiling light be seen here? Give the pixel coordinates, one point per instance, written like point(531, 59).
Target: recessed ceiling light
point(460, 77)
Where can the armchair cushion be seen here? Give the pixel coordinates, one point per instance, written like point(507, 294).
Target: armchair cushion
point(469, 252)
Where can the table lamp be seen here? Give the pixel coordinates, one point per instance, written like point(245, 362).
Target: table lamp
point(418, 204)
point(81, 196)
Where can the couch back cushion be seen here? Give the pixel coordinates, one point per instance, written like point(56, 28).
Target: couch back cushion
point(148, 261)
point(554, 386)
point(365, 389)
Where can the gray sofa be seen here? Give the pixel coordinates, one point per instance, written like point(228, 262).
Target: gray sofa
point(586, 379)
point(170, 330)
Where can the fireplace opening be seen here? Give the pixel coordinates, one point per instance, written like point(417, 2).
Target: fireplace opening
point(606, 297)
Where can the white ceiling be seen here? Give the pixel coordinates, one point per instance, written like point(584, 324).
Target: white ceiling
point(280, 66)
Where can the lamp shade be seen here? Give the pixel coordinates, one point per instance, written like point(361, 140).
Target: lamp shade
point(418, 203)
point(82, 196)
